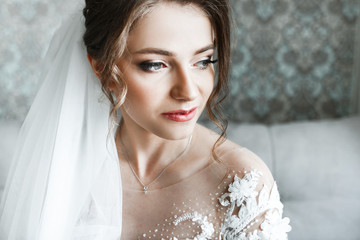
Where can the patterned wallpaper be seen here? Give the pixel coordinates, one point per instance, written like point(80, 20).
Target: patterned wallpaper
point(26, 28)
point(292, 59)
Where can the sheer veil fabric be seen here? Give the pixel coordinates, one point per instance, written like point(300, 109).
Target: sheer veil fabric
point(65, 148)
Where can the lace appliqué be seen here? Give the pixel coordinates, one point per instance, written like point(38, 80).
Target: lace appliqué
point(207, 229)
point(240, 208)
point(242, 198)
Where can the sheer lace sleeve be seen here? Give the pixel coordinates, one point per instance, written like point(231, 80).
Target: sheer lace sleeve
point(234, 199)
point(248, 209)
point(253, 209)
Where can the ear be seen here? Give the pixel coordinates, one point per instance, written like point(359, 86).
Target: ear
point(94, 65)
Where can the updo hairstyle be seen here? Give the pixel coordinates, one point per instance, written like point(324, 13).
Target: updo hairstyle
point(108, 24)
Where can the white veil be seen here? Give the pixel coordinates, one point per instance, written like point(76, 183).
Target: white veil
point(65, 159)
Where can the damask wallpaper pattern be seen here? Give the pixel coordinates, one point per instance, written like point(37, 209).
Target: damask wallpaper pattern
point(26, 28)
point(292, 59)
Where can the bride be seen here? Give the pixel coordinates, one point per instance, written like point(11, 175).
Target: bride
point(151, 172)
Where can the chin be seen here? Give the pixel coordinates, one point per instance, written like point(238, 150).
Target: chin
point(177, 131)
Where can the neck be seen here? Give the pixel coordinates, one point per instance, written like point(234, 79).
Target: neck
point(148, 153)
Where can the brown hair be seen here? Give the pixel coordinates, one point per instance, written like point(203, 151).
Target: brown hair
point(108, 24)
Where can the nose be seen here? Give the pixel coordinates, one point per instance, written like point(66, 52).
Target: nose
point(184, 88)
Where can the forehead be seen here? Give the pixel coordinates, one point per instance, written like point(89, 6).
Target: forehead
point(172, 27)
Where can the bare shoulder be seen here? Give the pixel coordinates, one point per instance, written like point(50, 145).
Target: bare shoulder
point(239, 158)
point(244, 160)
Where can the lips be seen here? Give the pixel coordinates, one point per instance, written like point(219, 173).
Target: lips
point(181, 115)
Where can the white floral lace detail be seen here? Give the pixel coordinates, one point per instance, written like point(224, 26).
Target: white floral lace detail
point(206, 227)
point(238, 209)
point(242, 198)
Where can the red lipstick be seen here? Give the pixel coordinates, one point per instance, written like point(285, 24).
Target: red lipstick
point(181, 115)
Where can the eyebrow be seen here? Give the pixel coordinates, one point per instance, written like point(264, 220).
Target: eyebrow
point(163, 52)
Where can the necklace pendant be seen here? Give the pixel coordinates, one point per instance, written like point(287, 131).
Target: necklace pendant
point(145, 189)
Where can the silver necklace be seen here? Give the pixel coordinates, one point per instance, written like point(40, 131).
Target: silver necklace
point(146, 187)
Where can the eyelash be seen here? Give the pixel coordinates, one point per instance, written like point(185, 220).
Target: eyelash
point(150, 66)
point(206, 62)
point(147, 66)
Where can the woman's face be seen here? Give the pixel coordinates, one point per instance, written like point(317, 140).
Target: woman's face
point(168, 71)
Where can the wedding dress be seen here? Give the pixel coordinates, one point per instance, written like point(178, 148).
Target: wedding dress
point(65, 181)
point(218, 202)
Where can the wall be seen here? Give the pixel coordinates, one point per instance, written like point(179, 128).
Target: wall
point(294, 60)
point(26, 27)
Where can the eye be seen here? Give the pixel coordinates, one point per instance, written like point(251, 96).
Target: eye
point(151, 66)
point(203, 64)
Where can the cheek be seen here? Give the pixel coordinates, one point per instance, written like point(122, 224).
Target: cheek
point(143, 92)
point(137, 93)
point(207, 85)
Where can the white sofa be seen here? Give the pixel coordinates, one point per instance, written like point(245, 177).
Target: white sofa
point(316, 165)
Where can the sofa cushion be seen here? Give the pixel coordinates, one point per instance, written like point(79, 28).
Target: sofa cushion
point(255, 137)
point(333, 219)
point(317, 166)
